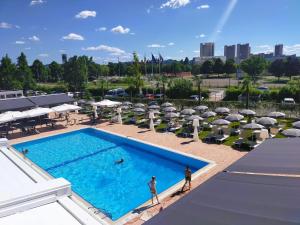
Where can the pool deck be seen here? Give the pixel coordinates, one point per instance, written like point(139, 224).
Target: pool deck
point(222, 155)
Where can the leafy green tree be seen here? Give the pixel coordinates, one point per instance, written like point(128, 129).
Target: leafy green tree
point(218, 66)
point(55, 71)
point(254, 66)
point(196, 69)
point(24, 73)
point(229, 68)
point(39, 71)
point(138, 79)
point(246, 88)
point(198, 80)
point(180, 88)
point(76, 73)
point(7, 75)
point(292, 67)
point(131, 85)
point(277, 68)
point(207, 67)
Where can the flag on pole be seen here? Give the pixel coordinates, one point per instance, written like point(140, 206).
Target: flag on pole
point(161, 59)
point(153, 59)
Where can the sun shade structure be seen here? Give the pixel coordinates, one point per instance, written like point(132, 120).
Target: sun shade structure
point(166, 104)
point(247, 112)
point(139, 110)
point(187, 112)
point(236, 199)
point(153, 107)
point(222, 110)
point(253, 126)
point(273, 156)
point(10, 116)
point(220, 122)
point(127, 103)
point(139, 105)
point(276, 115)
point(291, 132)
point(65, 108)
point(15, 104)
point(234, 117)
point(208, 114)
point(201, 108)
point(36, 112)
point(266, 121)
point(296, 125)
point(107, 103)
point(193, 117)
point(51, 100)
point(170, 109)
point(171, 115)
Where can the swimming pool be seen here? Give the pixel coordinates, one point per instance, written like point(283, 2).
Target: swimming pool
point(87, 159)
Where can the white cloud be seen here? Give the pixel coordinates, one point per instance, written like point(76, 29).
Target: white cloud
point(121, 30)
point(264, 49)
point(27, 48)
point(85, 14)
point(291, 49)
point(5, 25)
point(196, 51)
point(149, 9)
point(181, 51)
point(201, 36)
point(104, 48)
point(206, 6)
point(34, 38)
point(74, 37)
point(37, 2)
point(101, 29)
point(44, 55)
point(171, 43)
point(174, 4)
point(156, 46)
point(20, 42)
point(132, 33)
point(62, 51)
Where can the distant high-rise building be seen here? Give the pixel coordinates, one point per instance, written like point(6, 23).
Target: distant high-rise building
point(243, 51)
point(278, 50)
point(64, 58)
point(229, 51)
point(207, 49)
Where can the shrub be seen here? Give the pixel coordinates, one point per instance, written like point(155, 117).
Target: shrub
point(180, 88)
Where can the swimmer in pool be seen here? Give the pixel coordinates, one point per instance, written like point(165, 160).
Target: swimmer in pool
point(119, 161)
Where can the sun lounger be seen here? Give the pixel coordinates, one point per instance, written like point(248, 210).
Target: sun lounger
point(221, 138)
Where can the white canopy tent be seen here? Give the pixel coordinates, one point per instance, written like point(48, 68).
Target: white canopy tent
point(10, 116)
point(107, 103)
point(38, 112)
point(65, 108)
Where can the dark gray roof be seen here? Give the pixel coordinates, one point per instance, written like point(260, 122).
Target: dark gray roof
point(51, 100)
point(235, 199)
point(276, 156)
point(14, 104)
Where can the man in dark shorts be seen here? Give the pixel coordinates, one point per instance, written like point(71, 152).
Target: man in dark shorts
point(188, 178)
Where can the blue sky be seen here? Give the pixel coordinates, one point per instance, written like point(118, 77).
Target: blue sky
point(110, 29)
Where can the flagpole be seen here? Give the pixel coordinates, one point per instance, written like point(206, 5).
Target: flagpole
point(152, 63)
point(159, 64)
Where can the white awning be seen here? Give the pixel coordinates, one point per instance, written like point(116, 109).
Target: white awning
point(107, 103)
point(38, 112)
point(11, 116)
point(65, 108)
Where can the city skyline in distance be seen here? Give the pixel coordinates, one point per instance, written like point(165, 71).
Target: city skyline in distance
point(105, 31)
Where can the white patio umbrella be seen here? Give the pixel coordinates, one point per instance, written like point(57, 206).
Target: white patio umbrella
point(166, 104)
point(39, 111)
point(222, 110)
point(266, 121)
point(247, 112)
point(127, 103)
point(234, 117)
point(196, 125)
point(191, 118)
point(201, 108)
point(253, 126)
point(151, 117)
point(220, 122)
point(153, 107)
point(276, 115)
point(65, 108)
point(291, 132)
point(187, 112)
point(170, 109)
point(139, 105)
point(171, 115)
point(107, 103)
point(119, 110)
point(296, 125)
point(139, 110)
point(208, 114)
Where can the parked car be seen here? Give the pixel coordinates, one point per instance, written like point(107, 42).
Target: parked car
point(196, 97)
point(263, 88)
point(159, 96)
point(288, 101)
point(149, 96)
point(119, 92)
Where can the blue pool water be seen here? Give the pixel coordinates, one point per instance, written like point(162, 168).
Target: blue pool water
point(87, 158)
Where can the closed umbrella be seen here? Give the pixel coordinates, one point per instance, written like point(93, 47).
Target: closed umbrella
point(266, 121)
point(151, 125)
point(191, 118)
point(247, 112)
point(253, 126)
point(276, 115)
point(222, 110)
point(201, 108)
point(170, 109)
point(291, 132)
point(153, 107)
point(166, 104)
point(187, 112)
point(208, 114)
point(139, 105)
point(234, 117)
point(296, 125)
point(220, 122)
point(171, 115)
